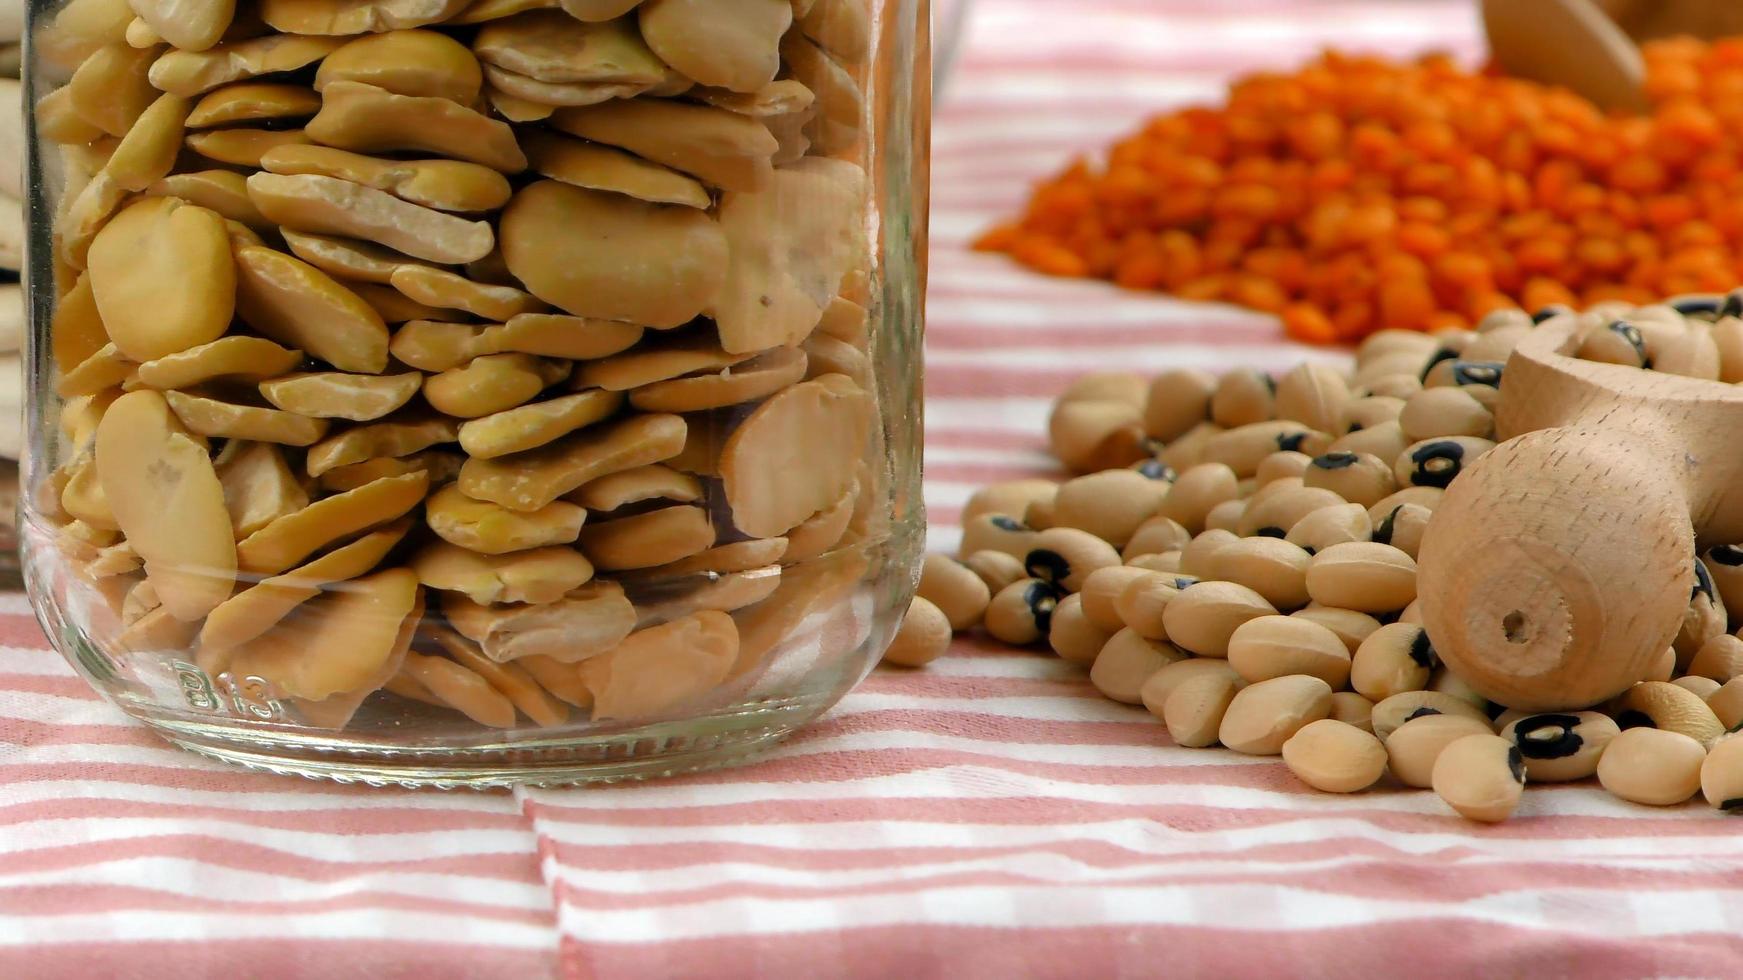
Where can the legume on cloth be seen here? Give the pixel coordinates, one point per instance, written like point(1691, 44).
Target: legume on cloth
point(517, 317)
point(1226, 559)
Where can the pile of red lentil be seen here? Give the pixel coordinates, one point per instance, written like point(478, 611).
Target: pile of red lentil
point(1360, 193)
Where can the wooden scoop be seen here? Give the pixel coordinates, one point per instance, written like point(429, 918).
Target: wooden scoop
point(1571, 43)
point(1558, 568)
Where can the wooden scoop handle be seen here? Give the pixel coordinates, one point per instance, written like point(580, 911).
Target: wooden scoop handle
point(1558, 567)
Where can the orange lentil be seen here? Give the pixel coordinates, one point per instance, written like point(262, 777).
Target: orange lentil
point(1358, 193)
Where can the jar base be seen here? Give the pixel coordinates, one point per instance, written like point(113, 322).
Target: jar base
point(650, 752)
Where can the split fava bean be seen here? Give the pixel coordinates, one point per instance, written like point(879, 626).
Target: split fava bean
point(1277, 646)
point(1335, 757)
point(1126, 661)
point(1561, 747)
point(1265, 715)
point(1072, 636)
point(1652, 766)
point(1480, 776)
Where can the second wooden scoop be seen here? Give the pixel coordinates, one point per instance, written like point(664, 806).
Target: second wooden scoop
point(1558, 568)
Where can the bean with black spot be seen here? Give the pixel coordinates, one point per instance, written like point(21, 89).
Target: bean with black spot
point(1111, 504)
point(1722, 775)
point(1360, 478)
point(1414, 746)
point(1022, 612)
point(1204, 615)
point(1561, 747)
point(1327, 526)
point(997, 532)
point(1066, 556)
point(1281, 464)
point(1616, 342)
point(1481, 776)
point(1400, 708)
point(1437, 462)
point(1404, 527)
point(1394, 659)
point(1277, 513)
point(1242, 397)
point(1436, 413)
point(1384, 439)
point(1156, 536)
point(1725, 567)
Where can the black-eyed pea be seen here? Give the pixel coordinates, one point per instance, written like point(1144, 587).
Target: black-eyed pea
point(1384, 439)
point(1727, 337)
point(1393, 340)
point(1437, 462)
point(1722, 775)
point(1692, 354)
point(1353, 709)
point(1703, 687)
point(1437, 413)
point(1561, 747)
point(955, 589)
point(1274, 568)
point(1225, 516)
point(1156, 536)
point(1111, 504)
point(1083, 433)
point(1365, 413)
point(1242, 397)
point(1277, 513)
point(1322, 528)
point(1277, 646)
point(1334, 757)
point(1393, 362)
point(1198, 490)
point(1314, 395)
point(1106, 386)
point(1195, 707)
point(1615, 342)
point(1198, 556)
point(1188, 450)
point(1725, 567)
point(1265, 715)
point(1022, 613)
point(1481, 776)
point(1039, 515)
point(1125, 661)
point(1011, 497)
point(1447, 682)
point(1392, 660)
point(1401, 386)
point(1281, 464)
point(1141, 605)
point(1254, 493)
point(1652, 766)
point(1719, 659)
point(1243, 449)
point(1403, 528)
point(1100, 593)
point(1167, 561)
point(1203, 617)
point(1072, 636)
point(1161, 684)
point(1364, 576)
point(1178, 399)
point(1427, 497)
point(493, 530)
point(923, 636)
point(1066, 556)
point(1413, 747)
point(1398, 709)
point(1704, 619)
point(1507, 717)
point(996, 568)
point(1360, 478)
point(1665, 706)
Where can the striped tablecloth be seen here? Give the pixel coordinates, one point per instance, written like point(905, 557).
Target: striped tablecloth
point(989, 816)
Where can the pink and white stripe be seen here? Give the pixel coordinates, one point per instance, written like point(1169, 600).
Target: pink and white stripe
point(989, 816)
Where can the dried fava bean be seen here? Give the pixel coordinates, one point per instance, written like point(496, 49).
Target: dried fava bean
point(148, 151)
point(1413, 748)
point(558, 94)
point(355, 16)
point(227, 420)
point(840, 104)
point(166, 497)
point(368, 119)
point(636, 261)
point(1275, 569)
point(1335, 757)
point(162, 278)
point(1720, 658)
point(656, 670)
point(338, 643)
point(649, 539)
point(259, 487)
point(587, 622)
point(1359, 478)
point(253, 102)
point(634, 486)
point(446, 185)
point(1242, 397)
point(335, 395)
point(406, 62)
point(1197, 491)
point(189, 73)
point(1674, 709)
point(190, 27)
point(528, 481)
point(346, 258)
point(1353, 709)
point(1263, 716)
point(1561, 748)
point(1392, 660)
point(1722, 775)
point(444, 682)
point(667, 357)
point(326, 205)
point(1366, 577)
point(996, 568)
point(554, 335)
point(923, 637)
point(540, 575)
point(442, 467)
point(242, 147)
point(749, 380)
point(1436, 462)
point(491, 530)
point(399, 438)
point(721, 148)
point(77, 331)
point(955, 589)
point(821, 424)
point(1066, 556)
point(491, 384)
point(540, 423)
point(104, 369)
point(1652, 766)
point(294, 537)
point(1480, 776)
point(1022, 613)
point(1277, 646)
point(733, 45)
point(110, 89)
point(1327, 526)
point(1195, 707)
point(260, 607)
point(1398, 709)
point(511, 680)
point(235, 356)
point(1204, 615)
point(1072, 636)
point(1126, 661)
point(552, 47)
point(295, 303)
point(603, 168)
point(1280, 465)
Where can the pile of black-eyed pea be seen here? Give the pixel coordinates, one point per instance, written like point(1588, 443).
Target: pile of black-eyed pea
point(1237, 555)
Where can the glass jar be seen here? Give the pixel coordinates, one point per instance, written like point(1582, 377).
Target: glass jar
point(524, 393)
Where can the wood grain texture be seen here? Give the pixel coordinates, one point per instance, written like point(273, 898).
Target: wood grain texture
point(1572, 43)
